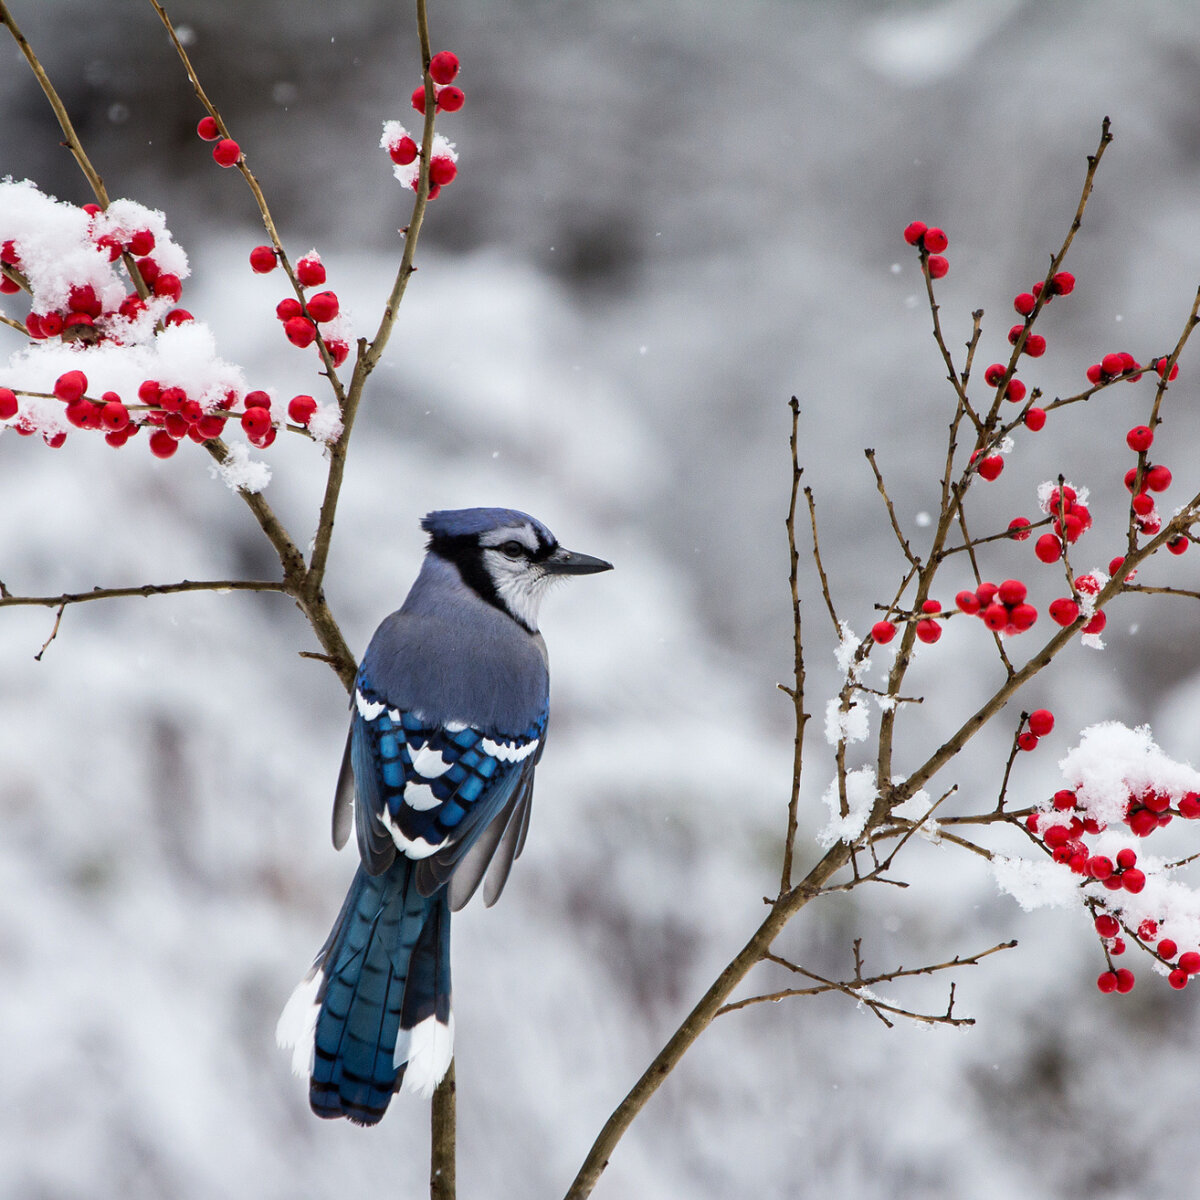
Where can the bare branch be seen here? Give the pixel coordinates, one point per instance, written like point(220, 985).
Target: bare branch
point(7, 600)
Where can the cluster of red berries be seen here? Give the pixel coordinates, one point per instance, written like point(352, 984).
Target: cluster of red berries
point(300, 320)
point(1001, 607)
point(443, 67)
point(170, 412)
point(226, 152)
point(1164, 949)
point(1155, 478)
point(1070, 518)
point(85, 318)
point(933, 241)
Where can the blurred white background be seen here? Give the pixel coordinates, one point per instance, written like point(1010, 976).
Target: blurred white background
point(669, 218)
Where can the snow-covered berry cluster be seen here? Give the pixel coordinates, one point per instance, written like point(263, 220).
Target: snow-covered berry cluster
point(1121, 789)
point(405, 150)
point(103, 357)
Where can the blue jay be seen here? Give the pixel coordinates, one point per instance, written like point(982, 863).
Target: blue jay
point(448, 723)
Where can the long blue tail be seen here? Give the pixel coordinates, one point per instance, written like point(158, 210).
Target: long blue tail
point(374, 1012)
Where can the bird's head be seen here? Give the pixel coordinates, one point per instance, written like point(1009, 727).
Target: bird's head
point(508, 558)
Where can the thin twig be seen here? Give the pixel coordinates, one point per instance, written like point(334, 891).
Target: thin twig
point(58, 616)
point(797, 690)
point(8, 600)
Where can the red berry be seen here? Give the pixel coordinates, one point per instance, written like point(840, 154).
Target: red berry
point(929, 631)
point(1167, 948)
point(1064, 799)
point(257, 400)
point(208, 129)
point(1063, 611)
point(1112, 364)
point(1143, 504)
point(256, 421)
point(1022, 617)
point(938, 266)
point(300, 331)
point(1018, 529)
point(443, 66)
point(176, 425)
point(1027, 740)
point(288, 308)
point(995, 617)
point(1024, 303)
point(418, 99)
point(1107, 926)
point(301, 409)
point(1048, 548)
point(450, 99)
point(914, 232)
point(1010, 592)
point(310, 270)
point(936, 240)
point(931, 606)
point(8, 403)
point(1126, 858)
point(1139, 438)
point(162, 444)
point(404, 151)
point(1160, 365)
point(169, 285)
point(339, 351)
point(114, 415)
point(178, 316)
point(1134, 880)
point(1189, 806)
point(323, 306)
point(1035, 419)
point(262, 259)
point(1035, 345)
point(990, 467)
point(141, 243)
point(8, 287)
point(80, 414)
point(1096, 624)
point(1118, 947)
point(985, 593)
point(1125, 980)
point(1189, 961)
point(1157, 478)
point(1014, 334)
point(994, 374)
point(172, 399)
point(210, 426)
point(883, 632)
point(70, 386)
point(1063, 283)
point(226, 152)
point(1107, 982)
point(442, 170)
point(1178, 545)
point(1178, 979)
point(1101, 867)
point(1095, 373)
point(149, 270)
point(967, 602)
point(1041, 721)
point(1015, 392)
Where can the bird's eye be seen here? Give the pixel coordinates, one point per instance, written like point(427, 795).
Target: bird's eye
point(512, 549)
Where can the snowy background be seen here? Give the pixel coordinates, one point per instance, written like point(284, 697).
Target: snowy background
point(669, 218)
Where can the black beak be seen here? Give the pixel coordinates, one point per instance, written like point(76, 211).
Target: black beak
point(568, 562)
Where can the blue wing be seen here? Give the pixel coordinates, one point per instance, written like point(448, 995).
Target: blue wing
point(451, 797)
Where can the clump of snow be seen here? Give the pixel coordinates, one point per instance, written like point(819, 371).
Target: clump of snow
point(853, 725)
point(240, 472)
point(326, 424)
point(847, 648)
point(1035, 883)
point(1113, 761)
point(860, 796)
